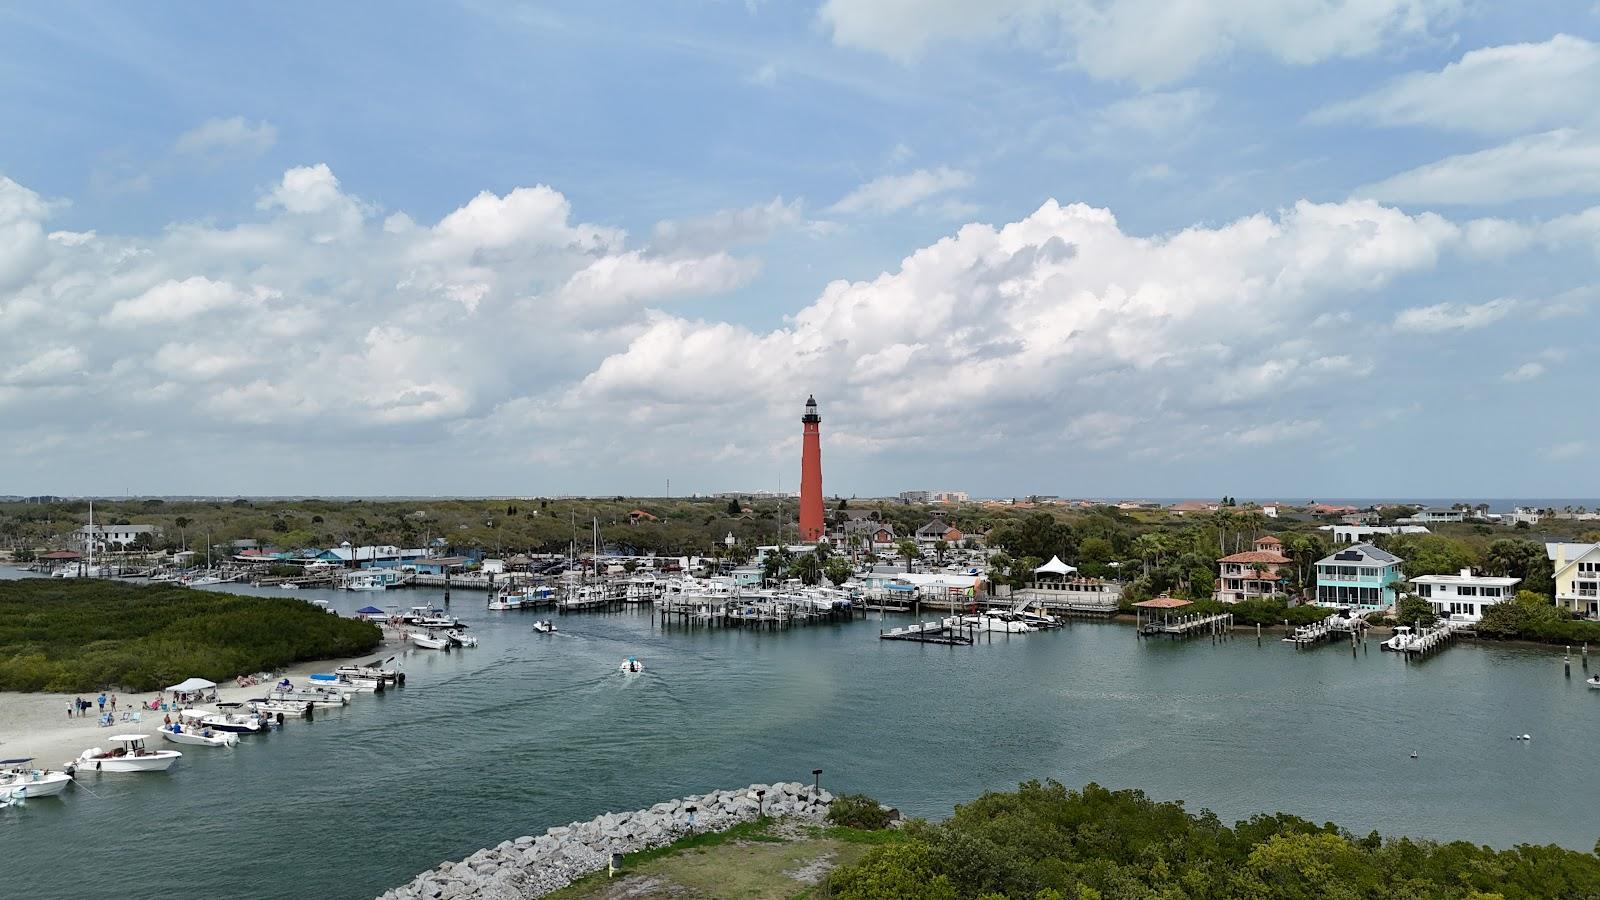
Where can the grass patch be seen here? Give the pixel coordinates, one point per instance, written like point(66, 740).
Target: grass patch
point(89, 634)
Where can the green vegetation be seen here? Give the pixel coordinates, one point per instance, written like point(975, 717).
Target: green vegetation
point(1044, 842)
point(84, 635)
point(1531, 617)
point(858, 811)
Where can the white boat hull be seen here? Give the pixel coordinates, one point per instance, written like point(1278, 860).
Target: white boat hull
point(428, 643)
point(222, 739)
point(27, 787)
point(153, 761)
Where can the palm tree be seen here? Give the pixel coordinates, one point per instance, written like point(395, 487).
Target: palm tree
point(1149, 547)
point(182, 523)
point(908, 549)
point(939, 547)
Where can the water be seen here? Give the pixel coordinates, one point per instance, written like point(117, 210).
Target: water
point(529, 730)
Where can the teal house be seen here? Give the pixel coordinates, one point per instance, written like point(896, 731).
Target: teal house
point(1360, 576)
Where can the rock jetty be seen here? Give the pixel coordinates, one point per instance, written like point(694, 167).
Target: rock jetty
point(535, 866)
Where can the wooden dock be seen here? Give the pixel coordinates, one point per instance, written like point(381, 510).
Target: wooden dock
point(748, 613)
point(1188, 626)
point(1334, 627)
point(936, 632)
point(1435, 638)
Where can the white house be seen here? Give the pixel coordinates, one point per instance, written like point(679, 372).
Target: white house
point(1577, 577)
point(1435, 514)
point(1528, 514)
point(109, 537)
point(1464, 597)
point(1351, 534)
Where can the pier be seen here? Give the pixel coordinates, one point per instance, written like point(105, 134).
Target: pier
point(1434, 638)
point(926, 633)
point(757, 612)
point(1180, 626)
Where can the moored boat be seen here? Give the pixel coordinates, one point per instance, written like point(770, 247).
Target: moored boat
point(20, 781)
point(279, 709)
point(1401, 640)
point(631, 666)
point(190, 730)
point(428, 641)
point(133, 756)
point(231, 717)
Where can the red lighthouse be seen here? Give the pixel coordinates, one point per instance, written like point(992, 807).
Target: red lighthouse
point(811, 474)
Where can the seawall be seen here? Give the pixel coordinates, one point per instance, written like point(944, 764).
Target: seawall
point(534, 866)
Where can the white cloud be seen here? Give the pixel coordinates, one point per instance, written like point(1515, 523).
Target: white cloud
point(766, 76)
point(46, 367)
point(1510, 89)
point(1452, 317)
point(173, 301)
point(892, 193)
point(225, 136)
point(1141, 40)
point(1566, 450)
point(726, 228)
point(630, 278)
point(1525, 372)
point(1553, 164)
point(1161, 114)
point(1154, 172)
point(1276, 432)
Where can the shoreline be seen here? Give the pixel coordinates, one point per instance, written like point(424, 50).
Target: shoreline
point(36, 724)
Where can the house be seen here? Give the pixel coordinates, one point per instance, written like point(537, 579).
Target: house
point(114, 537)
point(1329, 509)
point(1192, 506)
point(1351, 534)
point(1433, 515)
point(1360, 576)
point(1577, 576)
point(440, 565)
point(1253, 574)
point(1270, 510)
point(1365, 517)
point(381, 557)
point(1464, 597)
point(937, 530)
point(1528, 515)
point(883, 538)
point(1057, 586)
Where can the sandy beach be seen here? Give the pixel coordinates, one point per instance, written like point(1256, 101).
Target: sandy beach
point(37, 725)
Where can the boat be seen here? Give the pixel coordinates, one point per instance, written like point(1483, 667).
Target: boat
point(132, 756)
point(20, 781)
point(631, 666)
point(289, 586)
point(190, 730)
point(457, 639)
point(428, 641)
point(1402, 639)
point(431, 617)
point(544, 626)
point(511, 598)
point(1593, 681)
point(286, 692)
point(374, 670)
point(348, 683)
point(279, 709)
point(230, 717)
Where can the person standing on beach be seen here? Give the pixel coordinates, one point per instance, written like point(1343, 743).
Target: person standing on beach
point(102, 701)
point(113, 702)
point(69, 709)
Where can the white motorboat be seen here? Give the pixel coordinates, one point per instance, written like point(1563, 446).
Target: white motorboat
point(289, 586)
point(458, 639)
point(429, 642)
point(197, 734)
point(19, 781)
point(279, 709)
point(1001, 622)
point(631, 666)
point(231, 718)
point(544, 626)
point(286, 692)
point(1593, 681)
point(1401, 640)
point(132, 756)
point(373, 670)
point(350, 684)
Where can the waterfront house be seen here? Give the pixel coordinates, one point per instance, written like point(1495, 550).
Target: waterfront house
point(1577, 577)
point(1360, 576)
point(1255, 574)
point(1434, 515)
point(1330, 509)
point(379, 557)
point(884, 538)
point(1524, 515)
point(1464, 597)
point(1058, 586)
point(114, 537)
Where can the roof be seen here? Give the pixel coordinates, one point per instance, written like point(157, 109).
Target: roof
point(1269, 539)
point(1265, 557)
point(937, 526)
point(1467, 578)
point(1163, 603)
point(1359, 553)
point(444, 561)
point(1573, 551)
point(1055, 567)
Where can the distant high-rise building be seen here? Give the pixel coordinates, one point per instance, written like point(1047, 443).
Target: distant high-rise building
point(811, 524)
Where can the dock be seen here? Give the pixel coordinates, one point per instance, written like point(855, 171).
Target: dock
point(1188, 626)
point(1435, 638)
point(935, 632)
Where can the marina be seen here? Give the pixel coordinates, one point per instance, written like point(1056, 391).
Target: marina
point(1074, 702)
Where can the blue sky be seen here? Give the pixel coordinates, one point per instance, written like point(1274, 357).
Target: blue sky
point(1018, 246)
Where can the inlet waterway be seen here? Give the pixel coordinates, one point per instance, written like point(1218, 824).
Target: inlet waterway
point(528, 731)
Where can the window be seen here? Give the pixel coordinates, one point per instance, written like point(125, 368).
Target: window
point(1467, 590)
point(1424, 590)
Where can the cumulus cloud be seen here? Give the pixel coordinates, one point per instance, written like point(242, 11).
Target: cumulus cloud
point(1452, 316)
point(1553, 164)
point(227, 136)
point(1510, 89)
point(892, 193)
point(1525, 372)
point(1137, 40)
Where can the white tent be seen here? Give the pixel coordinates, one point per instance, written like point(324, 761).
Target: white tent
point(190, 685)
point(1055, 567)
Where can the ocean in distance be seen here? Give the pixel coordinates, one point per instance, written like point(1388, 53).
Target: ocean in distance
point(528, 731)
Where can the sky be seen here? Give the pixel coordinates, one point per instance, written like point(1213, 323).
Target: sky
point(1080, 247)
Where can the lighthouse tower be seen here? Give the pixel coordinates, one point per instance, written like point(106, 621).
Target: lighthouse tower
point(811, 474)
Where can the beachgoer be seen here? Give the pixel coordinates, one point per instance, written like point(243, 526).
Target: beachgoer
point(69, 710)
point(113, 702)
point(102, 701)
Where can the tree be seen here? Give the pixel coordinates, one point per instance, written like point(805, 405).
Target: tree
point(734, 509)
point(939, 548)
point(1149, 547)
point(1039, 535)
point(182, 522)
point(1416, 612)
point(908, 549)
point(807, 568)
point(838, 570)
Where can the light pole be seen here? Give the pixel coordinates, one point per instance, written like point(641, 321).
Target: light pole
point(761, 803)
point(816, 785)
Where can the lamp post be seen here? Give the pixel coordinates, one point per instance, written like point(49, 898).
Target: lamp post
point(761, 803)
point(816, 784)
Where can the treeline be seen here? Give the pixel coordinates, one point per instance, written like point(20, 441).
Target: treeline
point(1044, 842)
point(84, 635)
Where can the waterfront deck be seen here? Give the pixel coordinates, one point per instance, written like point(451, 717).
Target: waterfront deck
point(1188, 626)
point(936, 632)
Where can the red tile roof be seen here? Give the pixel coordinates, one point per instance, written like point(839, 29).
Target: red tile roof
point(1163, 603)
point(1264, 557)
